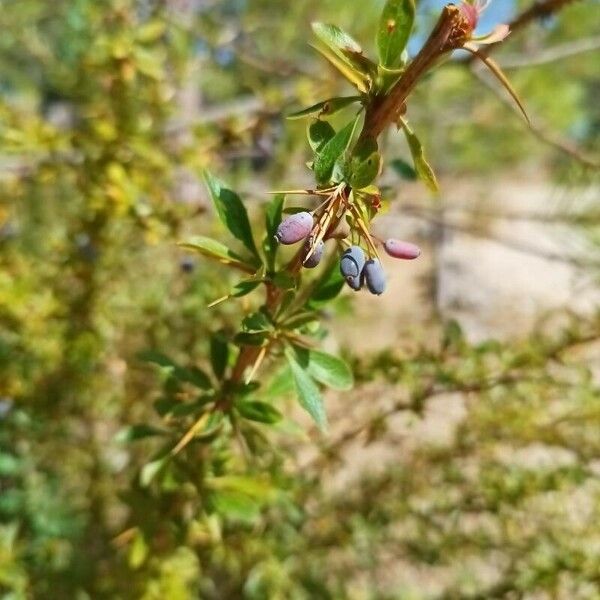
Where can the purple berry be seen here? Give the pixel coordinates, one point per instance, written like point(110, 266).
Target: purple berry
point(316, 256)
point(355, 283)
point(294, 228)
point(352, 262)
point(374, 276)
point(400, 249)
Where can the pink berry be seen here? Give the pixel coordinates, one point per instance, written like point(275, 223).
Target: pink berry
point(400, 249)
point(294, 228)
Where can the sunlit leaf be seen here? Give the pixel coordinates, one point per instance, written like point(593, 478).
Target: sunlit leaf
point(395, 26)
point(422, 167)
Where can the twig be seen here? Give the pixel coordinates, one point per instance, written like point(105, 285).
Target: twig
point(540, 133)
point(552, 54)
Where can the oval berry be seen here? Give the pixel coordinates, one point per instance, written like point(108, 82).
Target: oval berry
point(400, 249)
point(355, 283)
point(315, 258)
point(352, 262)
point(294, 228)
point(374, 277)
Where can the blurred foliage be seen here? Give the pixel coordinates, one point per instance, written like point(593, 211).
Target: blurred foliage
point(99, 178)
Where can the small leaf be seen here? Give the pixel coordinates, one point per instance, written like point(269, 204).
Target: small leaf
point(307, 391)
point(331, 151)
point(213, 249)
point(336, 38)
point(359, 79)
point(273, 214)
point(422, 167)
point(138, 551)
point(395, 26)
point(137, 432)
point(319, 133)
point(327, 107)
point(243, 288)
point(258, 411)
point(219, 354)
point(192, 375)
point(329, 370)
point(346, 48)
point(364, 164)
point(231, 211)
point(150, 471)
point(235, 506)
point(403, 169)
point(250, 339)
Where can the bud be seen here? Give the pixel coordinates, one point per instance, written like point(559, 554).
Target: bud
point(316, 256)
point(374, 277)
point(294, 228)
point(400, 249)
point(352, 262)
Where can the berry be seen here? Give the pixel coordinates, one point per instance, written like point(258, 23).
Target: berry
point(352, 262)
point(355, 283)
point(400, 249)
point(294, 228)
point(316, 256)
point(374, 276)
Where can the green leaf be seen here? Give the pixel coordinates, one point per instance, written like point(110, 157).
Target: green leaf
point(243, 288)
point(336, 38)
point(231, 211)
point(363, 167)
point(137, 432)
point(331, 151)
point(213, 249)
point(326, 368)
point(328, 286)
point(256, 321)
point(192, 375)
point(327, 107)
point(307, 391)
point(258, 411)
point(347, 50)
point(235, 506)
point(403, 169)
point(280, 385)
point(151, 470)
point(422, 167)
point(395, 26)
point(219, 354)
point(319, 133)
point(250, 339)
point(273, 214)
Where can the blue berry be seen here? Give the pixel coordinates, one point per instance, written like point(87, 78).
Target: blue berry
point(374, 276)
point(352, 262)
point(355, 283)
point(316, 256)
point(294, 228)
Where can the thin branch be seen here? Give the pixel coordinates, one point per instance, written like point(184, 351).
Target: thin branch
point(552, 54)
point(538, 10)
point(540, 133)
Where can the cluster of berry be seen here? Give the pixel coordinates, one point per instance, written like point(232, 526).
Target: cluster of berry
point(355, 266)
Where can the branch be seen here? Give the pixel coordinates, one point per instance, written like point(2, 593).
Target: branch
point(540, 133)
point(538, 10)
